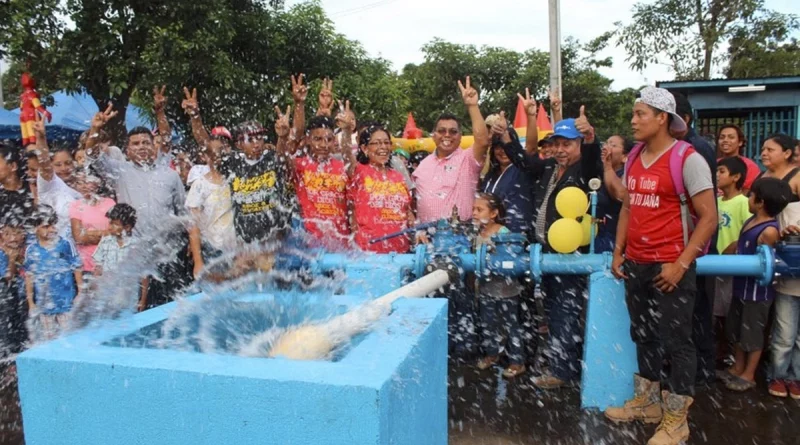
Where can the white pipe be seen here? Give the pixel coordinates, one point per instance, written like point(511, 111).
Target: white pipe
point(316, 341)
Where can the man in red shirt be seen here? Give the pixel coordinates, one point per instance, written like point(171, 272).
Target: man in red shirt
point(658, 266)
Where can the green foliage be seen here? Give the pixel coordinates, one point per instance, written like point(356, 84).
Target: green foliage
point(239, 54)
point(499, 74)
point(765, 49)
point(687, 34)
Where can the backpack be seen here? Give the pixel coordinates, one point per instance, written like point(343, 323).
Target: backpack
point(677, 157)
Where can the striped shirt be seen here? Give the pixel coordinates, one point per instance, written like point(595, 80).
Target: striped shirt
point(443, 183)
point(109, 253)
point(747, 288)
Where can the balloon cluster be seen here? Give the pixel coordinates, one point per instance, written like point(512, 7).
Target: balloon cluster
point(574, 228)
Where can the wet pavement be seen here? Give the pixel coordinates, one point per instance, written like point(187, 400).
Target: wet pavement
point(486, 409)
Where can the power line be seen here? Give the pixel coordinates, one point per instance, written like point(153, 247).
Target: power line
point(362, 8)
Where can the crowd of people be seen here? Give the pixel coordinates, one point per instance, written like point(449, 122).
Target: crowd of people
point(71, 215)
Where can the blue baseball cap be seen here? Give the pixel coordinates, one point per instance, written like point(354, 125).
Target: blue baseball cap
point(566, 129)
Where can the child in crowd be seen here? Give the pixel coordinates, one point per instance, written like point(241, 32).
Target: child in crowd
point(53, 276)
point(115, 245)
point(734, 210)
point(749, 311)
point(88, 216)
point(498, 296)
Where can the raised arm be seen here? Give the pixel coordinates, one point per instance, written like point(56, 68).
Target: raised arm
point(99, 121)
point(531, 130)
point(159, 106)
point(299, 94)
point(529, 162)
point(347, 124)
point(192, 108)
point(42, 150)
point(282, 129)
point(555, 105)
point(591, 163)
point(479, 132)
point(325, 107)
point(613, 183)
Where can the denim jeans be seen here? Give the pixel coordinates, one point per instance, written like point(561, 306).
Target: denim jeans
point(501, 329)
point(785, 347)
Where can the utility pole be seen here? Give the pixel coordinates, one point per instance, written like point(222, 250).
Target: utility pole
point(554, 13)
point(2, 102)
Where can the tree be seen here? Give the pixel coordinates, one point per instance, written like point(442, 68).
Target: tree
point(765, 49)
point(687, 34)
point(499, 74)
point(239, 54)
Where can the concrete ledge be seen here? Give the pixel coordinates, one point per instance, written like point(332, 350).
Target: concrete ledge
point(391, 387)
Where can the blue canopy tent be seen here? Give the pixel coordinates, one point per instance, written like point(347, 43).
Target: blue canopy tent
point(72, 114)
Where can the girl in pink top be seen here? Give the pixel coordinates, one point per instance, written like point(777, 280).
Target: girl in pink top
point(88, 217)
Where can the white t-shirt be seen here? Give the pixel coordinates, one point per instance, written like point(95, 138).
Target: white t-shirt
point(197, 172)
point(58, 195)
point(216, 214)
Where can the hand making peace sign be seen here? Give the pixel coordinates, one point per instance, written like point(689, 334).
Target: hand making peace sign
point(326, 97)
point(282, 127)
point(159, 100)
point(469, 94)
point(345, 119)
point(101, 118)
point(299, 91)
point(528, 103)
point(189, 104)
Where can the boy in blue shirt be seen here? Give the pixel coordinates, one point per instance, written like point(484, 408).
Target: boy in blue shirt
point(53, 275)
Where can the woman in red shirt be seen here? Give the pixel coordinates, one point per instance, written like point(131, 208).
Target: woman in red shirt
point(730, 140)
point(379, 197)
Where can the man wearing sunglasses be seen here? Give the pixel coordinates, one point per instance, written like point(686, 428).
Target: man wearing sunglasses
point(449, 178)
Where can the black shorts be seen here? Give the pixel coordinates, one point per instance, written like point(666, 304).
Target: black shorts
point(746, 323)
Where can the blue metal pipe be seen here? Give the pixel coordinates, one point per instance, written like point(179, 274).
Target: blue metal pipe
point(761, 265)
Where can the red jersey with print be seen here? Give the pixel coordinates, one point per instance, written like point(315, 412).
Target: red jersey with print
point(381, 202)
point(321, 189)
point(655, 232)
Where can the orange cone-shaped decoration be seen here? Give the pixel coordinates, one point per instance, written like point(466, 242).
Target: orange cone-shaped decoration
point(411, 131)
point(520, 117)
point(543, 120)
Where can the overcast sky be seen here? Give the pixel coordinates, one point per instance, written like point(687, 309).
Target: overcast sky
point(397, 29)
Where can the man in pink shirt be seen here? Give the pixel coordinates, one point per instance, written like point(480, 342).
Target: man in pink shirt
point(450, 177)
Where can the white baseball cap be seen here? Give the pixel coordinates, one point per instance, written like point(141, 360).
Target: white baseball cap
point(663, 100)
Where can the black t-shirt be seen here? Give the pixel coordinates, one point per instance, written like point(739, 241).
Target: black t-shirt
point(261, 207)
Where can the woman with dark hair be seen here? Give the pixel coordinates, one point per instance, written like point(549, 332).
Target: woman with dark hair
point(610, 196)
point(777, 155)
point(16, 200)
point(508, 182)
point(56, 180)
point(731, 143)
point(378, 194)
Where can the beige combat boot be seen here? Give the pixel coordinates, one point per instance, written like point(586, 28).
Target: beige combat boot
point(645, 405)
point(674, 428)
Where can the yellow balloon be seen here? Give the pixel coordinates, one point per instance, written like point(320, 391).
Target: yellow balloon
point(586, 227)
point(564, 235)
point(571, 202)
